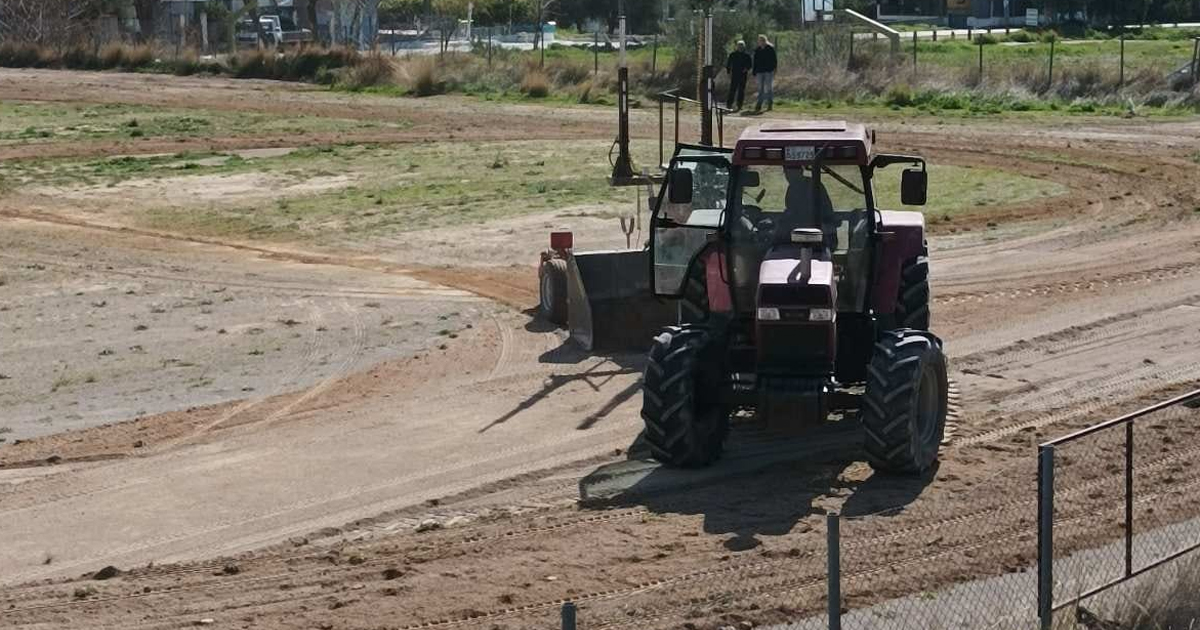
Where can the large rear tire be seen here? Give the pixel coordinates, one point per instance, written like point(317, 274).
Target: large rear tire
point(552, 290)
point(912, 305)
point(905, 404)
point(685, 423)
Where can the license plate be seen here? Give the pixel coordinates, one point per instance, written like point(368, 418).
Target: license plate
point(800, 153)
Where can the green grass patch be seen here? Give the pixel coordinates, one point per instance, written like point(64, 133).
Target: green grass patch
point(960, 190)
point(397, 189)
point(24, 123)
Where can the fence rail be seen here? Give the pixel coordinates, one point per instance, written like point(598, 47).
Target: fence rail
point(1111, 504)
point(1100, 445)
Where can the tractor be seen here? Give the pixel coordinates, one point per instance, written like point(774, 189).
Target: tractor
point(797, 297)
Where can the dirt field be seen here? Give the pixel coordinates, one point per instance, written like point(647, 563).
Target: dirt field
point(296, 423)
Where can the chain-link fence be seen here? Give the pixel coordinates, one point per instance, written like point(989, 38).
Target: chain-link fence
point(1116, 501)
point(1045, 534)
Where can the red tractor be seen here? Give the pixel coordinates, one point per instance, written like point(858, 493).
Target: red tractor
point(797, 296)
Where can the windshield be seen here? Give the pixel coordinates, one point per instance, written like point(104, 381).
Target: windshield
point(785, 199)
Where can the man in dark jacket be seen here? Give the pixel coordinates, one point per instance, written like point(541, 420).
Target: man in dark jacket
point(738, 66)
point(764, 69)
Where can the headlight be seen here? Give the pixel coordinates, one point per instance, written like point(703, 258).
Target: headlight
point(769, 314)
point(820, 315)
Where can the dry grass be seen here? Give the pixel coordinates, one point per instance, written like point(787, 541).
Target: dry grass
point(1170, 602)
point(423, 79)
point(372, 70)
point(535, 84)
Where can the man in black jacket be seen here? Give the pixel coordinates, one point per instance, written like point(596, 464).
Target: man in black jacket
point(764, 68)
point(738, 66)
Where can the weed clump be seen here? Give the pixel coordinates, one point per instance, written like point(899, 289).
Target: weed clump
point(536, 84)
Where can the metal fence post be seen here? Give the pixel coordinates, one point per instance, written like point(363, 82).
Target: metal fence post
point(1045, 536)
point(654, 57)
point(1195, 59)
point(1121, 80)
point(1050, 81)
point(914, 53)
point(980, 62)
point(1129, 499)
point(568, 616)
point(596, 52)
point(834, 579)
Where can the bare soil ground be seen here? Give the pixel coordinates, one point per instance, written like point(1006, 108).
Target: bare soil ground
point(401, 453)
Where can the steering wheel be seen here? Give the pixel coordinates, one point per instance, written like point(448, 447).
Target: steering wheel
point(764, 230)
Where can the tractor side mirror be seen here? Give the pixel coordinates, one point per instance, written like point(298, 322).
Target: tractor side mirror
point(680, 191)
point(914, 187)
point(750, 179)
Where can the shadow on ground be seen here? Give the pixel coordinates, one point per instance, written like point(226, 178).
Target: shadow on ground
point(597, 376)
point(763, 485)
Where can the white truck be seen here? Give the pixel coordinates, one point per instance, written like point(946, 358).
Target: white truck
point(272, 30)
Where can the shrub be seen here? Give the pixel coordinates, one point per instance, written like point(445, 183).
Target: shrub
point(424, 80)
point(253, 64)
point(111, 56)
point(19, 55)
point(899, 95)
point(80, 58)
point(313, 63)
point(568, 74)
point(1022, 36)
point(986, 39)
point(138, 56)
point(584, 95)
point(536, 84)
point(1049, 36)
point(186, 64)
point(370, 71)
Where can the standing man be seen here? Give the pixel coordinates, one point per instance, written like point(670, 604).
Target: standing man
point(738, 66)
point(764, 68)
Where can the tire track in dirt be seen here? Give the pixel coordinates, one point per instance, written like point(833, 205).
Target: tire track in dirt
point(1167, 272)
point(745, 570)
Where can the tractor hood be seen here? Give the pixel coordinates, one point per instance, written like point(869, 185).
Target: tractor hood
point(795, 318)
point(782, 283)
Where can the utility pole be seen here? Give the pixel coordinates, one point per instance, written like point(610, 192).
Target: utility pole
point(706, 115)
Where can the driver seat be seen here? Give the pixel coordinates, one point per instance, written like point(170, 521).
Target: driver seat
point(799, 212)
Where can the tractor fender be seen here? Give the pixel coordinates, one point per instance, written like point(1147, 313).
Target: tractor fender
point(901, 238)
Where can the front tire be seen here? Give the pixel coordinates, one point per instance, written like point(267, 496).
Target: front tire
point(905, 404)
point(685, 423)
point(552, 291)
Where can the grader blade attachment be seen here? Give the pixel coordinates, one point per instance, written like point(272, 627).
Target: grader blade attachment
point(610, 304)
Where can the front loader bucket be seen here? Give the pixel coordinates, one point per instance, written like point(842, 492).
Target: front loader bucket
point(610, 307)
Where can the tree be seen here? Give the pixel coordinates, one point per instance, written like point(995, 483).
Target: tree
point(49, 22)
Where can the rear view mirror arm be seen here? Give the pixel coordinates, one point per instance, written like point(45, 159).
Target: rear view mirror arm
point(884, 160)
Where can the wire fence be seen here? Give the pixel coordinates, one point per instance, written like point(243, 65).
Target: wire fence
point(1046, 535)
point(840, 63)
point(1117, 501)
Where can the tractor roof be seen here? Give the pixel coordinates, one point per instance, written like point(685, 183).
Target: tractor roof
point(796, 143)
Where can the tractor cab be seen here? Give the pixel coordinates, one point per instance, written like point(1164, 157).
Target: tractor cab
point(789, 278)
point(754, 198)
